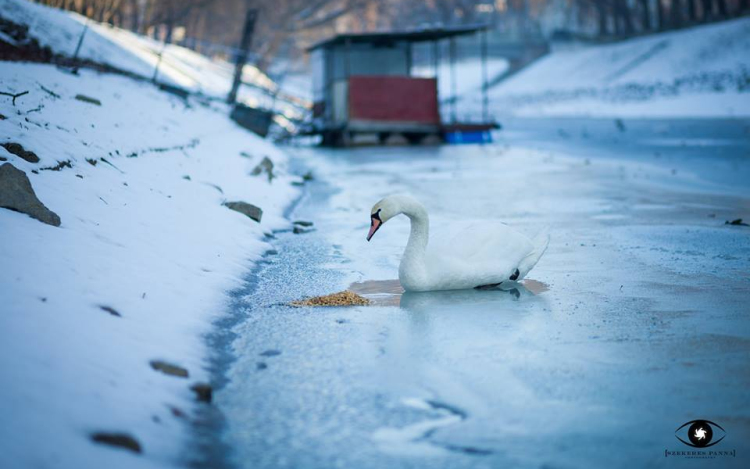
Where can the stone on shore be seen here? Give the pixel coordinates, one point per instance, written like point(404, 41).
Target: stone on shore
point(202, 391)
point(169, 368)
point(265, 166)
point(18, 150)
point(121, 440)
point(249, 210)
point(17, 194)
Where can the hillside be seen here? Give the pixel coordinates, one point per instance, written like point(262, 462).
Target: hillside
point(698, 72)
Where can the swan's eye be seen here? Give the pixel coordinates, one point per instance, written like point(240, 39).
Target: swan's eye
point(376, 215)
point(700, 433)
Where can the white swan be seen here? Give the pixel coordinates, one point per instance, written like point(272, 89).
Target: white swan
point(480, 255)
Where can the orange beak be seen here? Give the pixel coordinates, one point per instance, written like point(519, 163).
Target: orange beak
point(375, 223)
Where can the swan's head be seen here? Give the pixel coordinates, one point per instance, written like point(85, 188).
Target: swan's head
point(382, 212)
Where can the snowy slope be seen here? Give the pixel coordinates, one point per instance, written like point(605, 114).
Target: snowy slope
point(469, 76)
point(143, 232)
point(60, 30)
point(701, 71)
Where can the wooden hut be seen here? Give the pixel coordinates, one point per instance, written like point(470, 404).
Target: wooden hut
point(363, 84)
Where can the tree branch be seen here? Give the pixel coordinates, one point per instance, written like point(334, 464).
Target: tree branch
point(14, 96)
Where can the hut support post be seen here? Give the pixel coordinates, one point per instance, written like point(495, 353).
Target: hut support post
point(454, 93)
point(485, 84)
point(409, 58)
point(329, 58)
point(347, 61)
point(435, 58)
point(345, 135)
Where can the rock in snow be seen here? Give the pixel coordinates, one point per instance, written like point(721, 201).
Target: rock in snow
point(250, 210)
point(17, 194)
point(265, 166)
point(202, 391)
point(88, 99)
point(169, 369)
point(18, 150)
point(110, 310)
point(122, 440)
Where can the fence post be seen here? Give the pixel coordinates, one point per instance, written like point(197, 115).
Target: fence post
point(158, 61)
point(78, 46)
point(247, 37)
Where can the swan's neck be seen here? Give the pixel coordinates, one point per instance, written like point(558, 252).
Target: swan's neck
point(420, 233)
point(414, 254)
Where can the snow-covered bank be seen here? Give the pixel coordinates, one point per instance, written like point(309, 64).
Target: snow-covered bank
point(137, 270)
point(698, 72)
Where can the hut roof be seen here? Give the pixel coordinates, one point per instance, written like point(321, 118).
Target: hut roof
point(385, 37)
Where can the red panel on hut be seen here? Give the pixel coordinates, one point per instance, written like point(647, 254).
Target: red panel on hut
point(393, 98)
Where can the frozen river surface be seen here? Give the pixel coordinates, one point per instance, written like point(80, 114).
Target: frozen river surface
point(638, 320)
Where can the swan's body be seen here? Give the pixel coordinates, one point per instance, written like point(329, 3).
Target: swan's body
point(479, 255)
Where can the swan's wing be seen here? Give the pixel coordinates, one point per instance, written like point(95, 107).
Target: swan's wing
point(489, 251)
point(481, 239)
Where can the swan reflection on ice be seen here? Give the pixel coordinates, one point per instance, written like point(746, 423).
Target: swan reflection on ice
point(390, 293)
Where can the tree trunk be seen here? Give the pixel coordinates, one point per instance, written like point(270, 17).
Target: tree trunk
point(722, 4)
point(623, 12)
point(692, 11)
point(135, 17)
point(645, 15)
point(601, 12)
point(707, 9)
point(661, 19)
point(168, 36)
point(618, 23)
point(675, 14)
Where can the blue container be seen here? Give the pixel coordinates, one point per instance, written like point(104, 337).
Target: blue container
point(471, 136)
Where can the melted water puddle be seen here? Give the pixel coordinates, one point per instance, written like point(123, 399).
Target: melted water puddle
point(389, 292)
point(379, 292)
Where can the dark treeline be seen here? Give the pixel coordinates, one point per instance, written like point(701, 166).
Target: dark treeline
point(599, 18)
point(625, 18)
point(287, 26)
point(214, 26)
